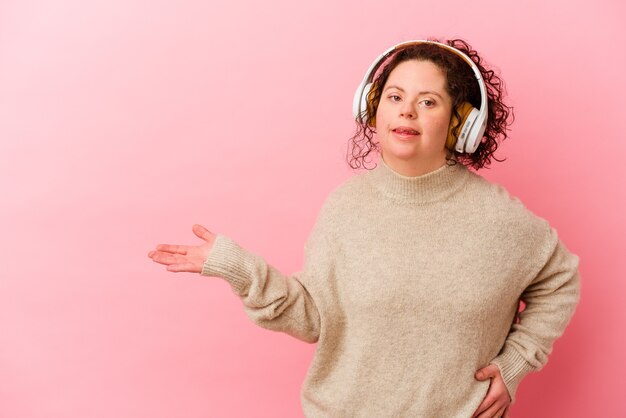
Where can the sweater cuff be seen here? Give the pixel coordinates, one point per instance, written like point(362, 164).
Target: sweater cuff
point(229, 261)
point(513, 368)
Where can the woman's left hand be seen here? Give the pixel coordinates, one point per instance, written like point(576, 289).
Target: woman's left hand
point(497, 401)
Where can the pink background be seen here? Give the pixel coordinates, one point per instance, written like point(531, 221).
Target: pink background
point(123, 123)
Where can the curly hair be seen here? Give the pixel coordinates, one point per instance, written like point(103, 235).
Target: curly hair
point(462, 87)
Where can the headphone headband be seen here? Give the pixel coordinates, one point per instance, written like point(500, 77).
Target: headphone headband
point(475, 124)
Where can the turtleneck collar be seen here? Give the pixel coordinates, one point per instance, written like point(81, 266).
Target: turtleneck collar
point(430, 187)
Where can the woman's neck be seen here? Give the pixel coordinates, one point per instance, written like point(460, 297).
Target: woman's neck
point(410, 168)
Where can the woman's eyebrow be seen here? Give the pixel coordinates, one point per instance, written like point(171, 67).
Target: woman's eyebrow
point(420, 93)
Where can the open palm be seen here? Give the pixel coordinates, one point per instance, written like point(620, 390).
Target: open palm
point(186, 258)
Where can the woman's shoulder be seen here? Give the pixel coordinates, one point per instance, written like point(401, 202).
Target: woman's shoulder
point(346, 190)
point(343, 199)
point(499, 203)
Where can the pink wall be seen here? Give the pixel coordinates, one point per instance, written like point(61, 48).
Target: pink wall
point(123, 123)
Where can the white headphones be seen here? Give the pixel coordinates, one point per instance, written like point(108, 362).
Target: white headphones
point(473, 121)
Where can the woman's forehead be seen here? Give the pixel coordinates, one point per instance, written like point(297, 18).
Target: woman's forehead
point(414, 74)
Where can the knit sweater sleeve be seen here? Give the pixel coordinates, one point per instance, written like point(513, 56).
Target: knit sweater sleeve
point(271, 299)
point(551, 299)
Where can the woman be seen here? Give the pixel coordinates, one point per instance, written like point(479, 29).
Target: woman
point(414, 270)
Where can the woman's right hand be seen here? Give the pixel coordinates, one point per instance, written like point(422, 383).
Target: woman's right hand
point(186, 258)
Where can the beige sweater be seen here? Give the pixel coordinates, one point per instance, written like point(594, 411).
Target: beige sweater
point(409, 286)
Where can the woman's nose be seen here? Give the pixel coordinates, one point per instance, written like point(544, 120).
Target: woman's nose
point(407, 111)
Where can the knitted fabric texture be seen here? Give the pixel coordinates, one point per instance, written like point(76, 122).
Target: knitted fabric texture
point(409, 286)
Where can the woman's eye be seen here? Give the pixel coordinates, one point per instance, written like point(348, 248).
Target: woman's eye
point(394, 96)
point(428, 103)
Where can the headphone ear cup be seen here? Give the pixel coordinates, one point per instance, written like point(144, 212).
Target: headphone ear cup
point(365, 107)
point(464, 110)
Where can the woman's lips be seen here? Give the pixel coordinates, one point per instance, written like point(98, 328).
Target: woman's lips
point(404, 135)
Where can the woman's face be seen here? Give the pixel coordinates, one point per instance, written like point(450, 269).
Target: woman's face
point(413, 117)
